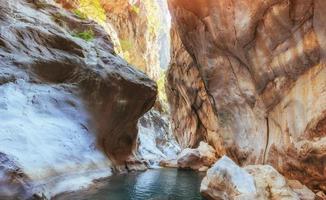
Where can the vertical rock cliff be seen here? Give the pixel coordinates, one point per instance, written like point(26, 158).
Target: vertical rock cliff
point(69, 105)
point(261, 65)
point(193, 116)
point(141, 35)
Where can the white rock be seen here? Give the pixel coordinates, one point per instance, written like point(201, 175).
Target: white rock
point(227, 180)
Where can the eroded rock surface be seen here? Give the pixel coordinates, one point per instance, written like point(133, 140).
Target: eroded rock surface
point(192, 116)
point(155, 139)
point(69, 106)
point(263, 65)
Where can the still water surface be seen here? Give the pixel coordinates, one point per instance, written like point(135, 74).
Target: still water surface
point(156, 184)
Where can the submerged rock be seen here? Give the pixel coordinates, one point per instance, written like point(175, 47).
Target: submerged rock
point(69, 105)
point(226, 180)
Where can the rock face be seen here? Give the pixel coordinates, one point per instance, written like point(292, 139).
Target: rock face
point(226, 180)
point(143, 31)
point(192, 115)
point(140, 29)
point(155, 139)
point(69, 105)
point(262, 65)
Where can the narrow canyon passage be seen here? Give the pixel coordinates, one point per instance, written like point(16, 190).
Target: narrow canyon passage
point(162, 99)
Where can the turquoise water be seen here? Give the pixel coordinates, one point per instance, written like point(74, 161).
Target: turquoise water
point(157, 184)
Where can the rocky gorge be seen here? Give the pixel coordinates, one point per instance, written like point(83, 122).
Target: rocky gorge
point(239, 98)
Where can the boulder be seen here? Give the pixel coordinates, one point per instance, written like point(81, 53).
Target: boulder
point(201, 158)
point(226, 180)
point(270, 184)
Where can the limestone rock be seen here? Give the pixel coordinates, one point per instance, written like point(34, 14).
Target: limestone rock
point(199, 158)
point(270, 184)
point(169, 163)
point(66, 100)
point(263, 66)
point(226, 180)
point(301, 190)
point(155, 139)
point(192, 115)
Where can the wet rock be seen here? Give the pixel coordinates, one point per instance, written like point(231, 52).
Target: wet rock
point(169, 163)
point(134, 164)
point(262, 65)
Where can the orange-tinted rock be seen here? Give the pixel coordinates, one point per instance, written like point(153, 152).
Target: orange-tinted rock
point(192, 115)
point(263, 65)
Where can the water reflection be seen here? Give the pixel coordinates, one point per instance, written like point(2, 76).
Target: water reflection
point(159, 184)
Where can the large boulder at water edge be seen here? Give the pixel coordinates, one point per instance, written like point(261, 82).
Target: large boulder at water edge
point(226, 180)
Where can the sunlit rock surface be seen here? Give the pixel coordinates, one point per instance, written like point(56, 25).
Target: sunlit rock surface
point(262, 64)
point(69, 106)
point(143, 31)
point(226, 180)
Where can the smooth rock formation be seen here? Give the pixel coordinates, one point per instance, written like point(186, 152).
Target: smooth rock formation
point(226, 180)
point(69, 105)
point(262, 65)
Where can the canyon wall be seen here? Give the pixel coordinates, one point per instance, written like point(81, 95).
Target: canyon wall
point(192, 115)
point(261, 67)
point(69, 105)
